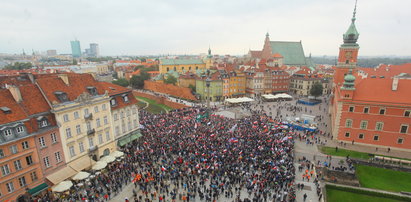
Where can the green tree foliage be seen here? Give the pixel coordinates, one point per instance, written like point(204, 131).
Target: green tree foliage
point(137, 81)
point(171, 80)
point(316, 90)
point(192, 87)
point(74, 62)
point(121, 82)
point(19, 66)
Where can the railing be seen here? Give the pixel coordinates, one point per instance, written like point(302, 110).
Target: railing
point(91, 131)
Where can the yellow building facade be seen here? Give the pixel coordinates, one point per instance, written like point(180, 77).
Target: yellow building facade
point(182, 65)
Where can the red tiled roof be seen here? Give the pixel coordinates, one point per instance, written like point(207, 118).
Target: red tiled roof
point(256, 54)
point(33, 101)
point(387, 70)
point(7, 100)
point(277, 55)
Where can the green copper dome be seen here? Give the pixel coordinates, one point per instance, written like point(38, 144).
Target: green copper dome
point(351, 36)
point(349, 80)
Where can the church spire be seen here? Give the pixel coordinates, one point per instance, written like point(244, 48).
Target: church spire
point(351, 36)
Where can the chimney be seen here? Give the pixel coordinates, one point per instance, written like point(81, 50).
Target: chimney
point(15, 91)
point(64, 77)
point(395, 83)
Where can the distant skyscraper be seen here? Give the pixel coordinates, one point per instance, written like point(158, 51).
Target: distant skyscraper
point(75, 48)
point(94, 50)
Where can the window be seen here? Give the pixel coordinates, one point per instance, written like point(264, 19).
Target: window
point(360, 136)
point(78, 129)
point(364, 125)
point(105, 120)
point(376, 137)
point(29, 160)
point(17, 165)
point(366, 109)
point(7, 132)
point(98, 122)
point(68, 133)
point(25, 145)
point(96, 109)
point(400, 140)
point(86, 112)
point(107, 135)
point(10, 187)
point(88, 125)
point(13, 149)
point(100, 139)
point(134, 111)
point(20, 129)
point(129, 125)
point(42, 142)
point(65, 118)
point(90, 142)
point(348, 123)
point(115, 117)
point(128, 112)
point(125, 98)
point(5, 170)
point(347, 134)
point(103, 107)
point(76, 115)
point(351, 109)
point(404, 129)
point(382, 111)
point(92, 90)
point(53, 138)
point(123, 127)
point(44, 123)
point(72, 152)
point(379, 126)
point(22, 181)
point(58, 157)
point(1, 153)
point(122, 114)
point(81, 147)
point(113, 102)
point(33, 176)
point(407, 113)
point(135, 123)
point(46, 162)
point(117, 131)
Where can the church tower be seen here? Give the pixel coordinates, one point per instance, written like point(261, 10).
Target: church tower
point(209, 59)
point(267, 51)
point(347, 58)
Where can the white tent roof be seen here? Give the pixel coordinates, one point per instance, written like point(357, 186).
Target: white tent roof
point(238, 100)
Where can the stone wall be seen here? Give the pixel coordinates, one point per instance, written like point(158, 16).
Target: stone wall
point(160, 100)
point(169, 89)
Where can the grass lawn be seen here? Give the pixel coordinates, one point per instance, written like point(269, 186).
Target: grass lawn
point(384, 179)
point(343, 152)
point(141, 104)
point(154, 107)
point(334, 195)
point(353, 154)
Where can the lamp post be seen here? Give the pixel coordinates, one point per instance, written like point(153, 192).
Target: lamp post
point(208, 92)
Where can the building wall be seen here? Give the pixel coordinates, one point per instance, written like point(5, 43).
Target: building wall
point(125, 120)
point(49, 150)
point(182, 68)
point(25, 172)
point(216, 88)
point(184, 82)
point(237, 85)
point(67, 142)
point(281, 83)
point(388, 136)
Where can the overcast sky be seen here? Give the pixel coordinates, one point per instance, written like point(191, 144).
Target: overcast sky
point(137, 27)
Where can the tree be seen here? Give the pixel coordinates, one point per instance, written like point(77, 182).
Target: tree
point(171, 80)
point(137, 82)
point(19, 66)
point(121, 82)
point(74, 62)
point(192, 87)
point(317, 89)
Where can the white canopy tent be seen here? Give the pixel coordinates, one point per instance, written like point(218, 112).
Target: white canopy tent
point(81, 176)
point(62, 186)
point(238, 100)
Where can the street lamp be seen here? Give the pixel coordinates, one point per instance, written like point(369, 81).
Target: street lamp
point(208, 92)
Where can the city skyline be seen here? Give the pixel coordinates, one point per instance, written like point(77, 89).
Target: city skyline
point(185, 27)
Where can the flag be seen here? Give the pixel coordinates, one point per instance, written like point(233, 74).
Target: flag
point(233, 128)
point(163, 169)
point(225, 150)
point(195, 126)
point(233, 140)
point(212, 135)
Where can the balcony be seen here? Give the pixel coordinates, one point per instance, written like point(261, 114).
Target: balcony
point(91, 131)
point(88, 116)
point(92, 149)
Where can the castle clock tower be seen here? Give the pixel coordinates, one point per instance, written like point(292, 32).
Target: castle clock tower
point(347, 58)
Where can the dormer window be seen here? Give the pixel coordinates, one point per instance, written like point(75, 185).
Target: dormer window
point(8, 133)
point(42, 122)
point(92, 90)
point(5, 110)
point(113, 102)
point(62, 96)
point(20, 129)
point(125, 98)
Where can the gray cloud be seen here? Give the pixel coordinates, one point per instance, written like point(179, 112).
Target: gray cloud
point(189, 27)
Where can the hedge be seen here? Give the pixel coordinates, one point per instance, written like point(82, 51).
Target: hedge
point(370, 193)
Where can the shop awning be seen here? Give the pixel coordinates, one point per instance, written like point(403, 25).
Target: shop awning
point(61, 175)
point(128, 138)
point(34, 191)
point(82, 163)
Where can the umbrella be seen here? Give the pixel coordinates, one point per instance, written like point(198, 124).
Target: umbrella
point(80, 184)
point(99, 165)
point(62, 186)
point(117, 154)
point(108, 159)
point(81, 176)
